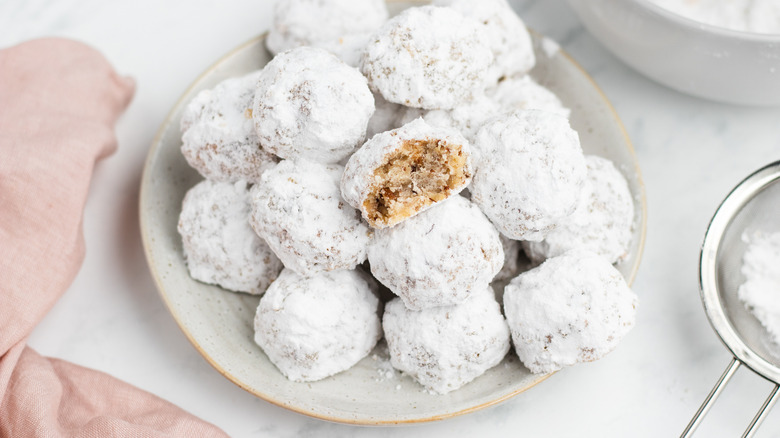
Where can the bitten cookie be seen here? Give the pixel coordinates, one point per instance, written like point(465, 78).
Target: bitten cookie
point(428, 57)
point(573, 308)
point(310, 105)
point(315, 327)
point(602, 222)
point(219, 245)
point(218, 136)
point(508, 37)
point(342, 27)
point(399, 173)
point(297, 208)
point(530, 174)
point(439, 256)
point(446, 347)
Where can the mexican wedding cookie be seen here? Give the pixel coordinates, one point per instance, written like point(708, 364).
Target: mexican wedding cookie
point(399, 173)
point(428, 57)
point(508, 37)
point(530, 173)
point(297, 208)
point(573, 308)
point(446, 347)
point(602, 222)
point(315, 327)
point(524, 93)
point(438, 257)
point(219, 245)
point(309, 105)
point(218, 136)
point(340, 26)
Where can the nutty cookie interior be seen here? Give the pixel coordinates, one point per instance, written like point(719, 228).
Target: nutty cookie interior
point(421, 172)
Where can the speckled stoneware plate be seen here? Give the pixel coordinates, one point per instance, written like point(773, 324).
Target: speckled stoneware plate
point(219, 323)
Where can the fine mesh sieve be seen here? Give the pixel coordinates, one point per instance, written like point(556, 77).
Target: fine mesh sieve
point(753, 205)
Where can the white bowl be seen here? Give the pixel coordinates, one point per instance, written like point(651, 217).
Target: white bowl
point(686, 55)
point(219, 323)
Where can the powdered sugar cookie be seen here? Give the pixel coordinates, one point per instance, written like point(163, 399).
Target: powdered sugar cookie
point(508, 37)
point(524, 93)
point(466, 118)
point(602, 222)
point(218, 136)
point(428, 57)
point(573, 308)
point(219, 245)
point(386, 117)
point(437, 257)
point(309, 105)
point(340, 26)
point(399, 173)
point(314, 327)
point(530, 174)
point(446, 347)
point(297, 208)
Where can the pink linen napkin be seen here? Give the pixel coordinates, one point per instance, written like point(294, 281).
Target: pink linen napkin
point(59, 101)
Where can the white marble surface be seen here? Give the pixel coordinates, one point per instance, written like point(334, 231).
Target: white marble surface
point(691, 153)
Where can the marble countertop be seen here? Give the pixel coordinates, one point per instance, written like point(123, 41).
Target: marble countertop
point(692, 152)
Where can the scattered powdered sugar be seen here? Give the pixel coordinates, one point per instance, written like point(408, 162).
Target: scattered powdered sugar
point(550, 47)
point(428, 57)
point(761, 290)
point(758, 16)
point(381, 360)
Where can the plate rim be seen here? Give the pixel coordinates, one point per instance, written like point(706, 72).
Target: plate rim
point(156, 277)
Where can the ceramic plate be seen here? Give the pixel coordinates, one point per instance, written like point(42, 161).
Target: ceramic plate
point(219, 323)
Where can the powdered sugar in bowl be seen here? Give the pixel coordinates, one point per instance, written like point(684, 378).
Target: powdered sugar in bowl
point(691, 56)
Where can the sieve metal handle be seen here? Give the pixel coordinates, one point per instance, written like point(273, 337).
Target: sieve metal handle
point(713, 395)
point(716, 390)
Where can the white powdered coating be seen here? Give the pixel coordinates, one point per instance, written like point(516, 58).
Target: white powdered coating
point(315, 327)
point(530, 174)
point(573, 308)
point(602, 222)
point(761, 268)
point(218, 136)
point(386, 117)
point(335, 25)
point(446, 347)
point(523, 93)
point(758, 16)
point(428, 57)
point(439, 256)
point(297, 208)
point(310, 105)
point(219, 245)
point(358, 179)
point(550, 47)
point(510, 42)
point(466, 118)
point(348, 48)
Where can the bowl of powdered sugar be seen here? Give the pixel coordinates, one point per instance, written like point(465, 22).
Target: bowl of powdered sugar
point(723, 50)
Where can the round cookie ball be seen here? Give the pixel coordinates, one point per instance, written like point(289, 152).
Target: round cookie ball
point(219, 245)
point(309, 105)
point(400, 173)
point(466, 118)
point(437, 257)
point(218, 135)
point(530, 174)
point(524, 93)
point(428, 57)
point(298, 210)
point(315, 327)
point(513, 52)
point(602, 222)
point(324, 23)
point(573, 308)
point(446, 347)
